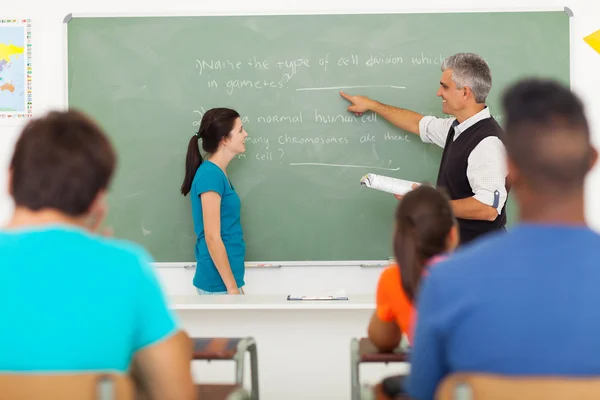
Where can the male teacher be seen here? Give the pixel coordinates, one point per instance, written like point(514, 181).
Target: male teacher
point(473, 166)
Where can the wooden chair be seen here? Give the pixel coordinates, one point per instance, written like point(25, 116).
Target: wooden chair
point(68, 386)
point(234, 349)
point(364, 351)
point(378, 394)
point(221, 392)
point(462, 386)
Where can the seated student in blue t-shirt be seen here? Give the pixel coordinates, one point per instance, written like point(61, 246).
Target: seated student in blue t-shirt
point(73, 300)
point(523, 302)
point(220, 249)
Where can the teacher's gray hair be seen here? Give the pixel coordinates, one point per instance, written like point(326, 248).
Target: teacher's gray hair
point(470, 70)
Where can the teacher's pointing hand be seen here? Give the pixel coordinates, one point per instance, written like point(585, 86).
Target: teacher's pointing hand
point(360, 104)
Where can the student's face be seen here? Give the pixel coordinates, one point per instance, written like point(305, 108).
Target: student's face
point(236, 141)
point(453, 99)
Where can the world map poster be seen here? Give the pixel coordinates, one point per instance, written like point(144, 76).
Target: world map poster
point(15, 70)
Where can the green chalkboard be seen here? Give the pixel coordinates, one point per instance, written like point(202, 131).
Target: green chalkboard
point(147, 80)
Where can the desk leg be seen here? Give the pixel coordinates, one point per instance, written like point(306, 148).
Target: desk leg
point(254, 370)
point(247, 345)
point(354, 365)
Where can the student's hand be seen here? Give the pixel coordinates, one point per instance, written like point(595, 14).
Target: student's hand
point(360, 104)
point(401, 196)
point(233, 291)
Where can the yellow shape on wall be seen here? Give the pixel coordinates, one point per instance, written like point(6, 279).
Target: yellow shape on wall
point(593, 40)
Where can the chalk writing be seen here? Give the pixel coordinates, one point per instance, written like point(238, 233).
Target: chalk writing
point(201, 111)
point(374, 60)
point(258, 140)
point(291, 67)
point(234, 84)
point(369, 117)
point(349, 87)
point(367, 138)
point(323, 61)
point(212, 65)
point(344, 118)
point(268, 156)
point(343, 166)
point(345, 61)
point(280, 119)
point(332, 119)
point(286, 139)
point(422, 59)
point(258, 64)
point(396, 137)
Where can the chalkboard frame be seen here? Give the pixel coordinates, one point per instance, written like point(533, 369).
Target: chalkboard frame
point(271, 263)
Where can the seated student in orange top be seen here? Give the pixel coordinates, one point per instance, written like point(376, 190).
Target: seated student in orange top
point(425, 230)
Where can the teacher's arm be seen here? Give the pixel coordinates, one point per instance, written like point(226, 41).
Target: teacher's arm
point(431, 129)
point(400, 117)
point(486, 172)
point(471, 208)
point(211, 213)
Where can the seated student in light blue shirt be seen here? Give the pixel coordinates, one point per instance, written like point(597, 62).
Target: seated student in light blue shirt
point(220, 248)
point(73, 300)
point(523, 302)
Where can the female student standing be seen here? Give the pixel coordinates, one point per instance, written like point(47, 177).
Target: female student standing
point(425, 230)
point(220, 247)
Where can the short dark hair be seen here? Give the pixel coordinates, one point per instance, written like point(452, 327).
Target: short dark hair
point(424, 219)
point(547, 135)
point(61, 161)
point(216, 125)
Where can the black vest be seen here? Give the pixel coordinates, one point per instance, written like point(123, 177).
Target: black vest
point(452, 175)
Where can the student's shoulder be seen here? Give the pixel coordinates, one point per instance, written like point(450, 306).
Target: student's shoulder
point(208, 174)
point(208, 169)
point(390, 276)
point(391, 272)
point(120, 253)
point(592, 236)
point(7, 238)
point(472, 258)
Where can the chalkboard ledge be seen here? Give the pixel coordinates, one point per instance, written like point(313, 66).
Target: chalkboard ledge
point(280, 264)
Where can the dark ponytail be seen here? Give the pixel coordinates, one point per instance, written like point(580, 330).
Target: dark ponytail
point(216, 125)
point(424, 219)
point(411, 267)
point(193, 159)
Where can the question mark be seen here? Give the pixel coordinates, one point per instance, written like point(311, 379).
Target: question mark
point(282, 152)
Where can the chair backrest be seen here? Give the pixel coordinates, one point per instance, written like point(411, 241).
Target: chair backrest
point(495, 387)
point(57, 386)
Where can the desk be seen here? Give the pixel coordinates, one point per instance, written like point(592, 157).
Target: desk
point(303, 346)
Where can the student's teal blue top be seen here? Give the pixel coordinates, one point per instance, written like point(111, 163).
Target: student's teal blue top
point(72, 301)
point(210, 178)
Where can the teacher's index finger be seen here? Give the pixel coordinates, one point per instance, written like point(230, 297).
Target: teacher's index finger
point(345, 95)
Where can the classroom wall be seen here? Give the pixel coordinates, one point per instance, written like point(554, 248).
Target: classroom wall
point(48, 42)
